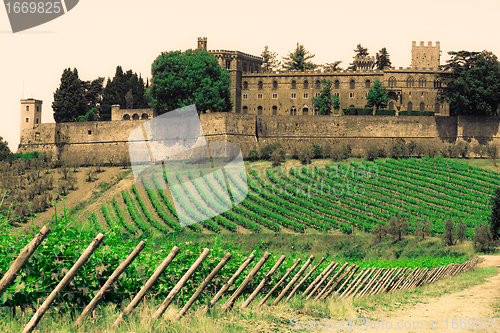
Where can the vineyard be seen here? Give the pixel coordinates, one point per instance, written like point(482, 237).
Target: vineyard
point(358, 195)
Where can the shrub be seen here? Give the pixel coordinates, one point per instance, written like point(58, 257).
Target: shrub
point(305, 154)
point(341, 151)
point(492, 152)
point(461, 148)
point(397, 227)
point(399, 149)
point(326, 151)
point(317, 151)
point(265, 153)
point(278, 156)
point(448, 234)
point(477, 148)
point(432, 148)
point(483, 239)
point(253, 155)
point(373, 151)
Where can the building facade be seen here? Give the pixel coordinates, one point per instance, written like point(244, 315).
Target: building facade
point(291, 92)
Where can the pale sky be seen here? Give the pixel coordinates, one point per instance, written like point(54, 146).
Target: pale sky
point(96, 36)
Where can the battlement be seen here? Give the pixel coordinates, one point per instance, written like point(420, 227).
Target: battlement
point(425, 56)
point(234, 53)
point(429, 44)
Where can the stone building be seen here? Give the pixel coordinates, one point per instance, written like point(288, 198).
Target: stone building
point(291, 92)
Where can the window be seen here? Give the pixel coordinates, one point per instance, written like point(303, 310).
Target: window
point(27, 120)
point(305, 111)
point(37, 108)
point(126, 117)
point(316, 111)
point(90, 132)
point(352, 84)
point(135, 116)
point(306, 84)
point(317, 94)
point(293, 111)
point(228, 64)
point(275, 84)
point(275, 110)
point(306, 95)
point(422, 83)
point(27, 107)
point(392, 82)
point(367, 84)
point(259, 110)
point(409, 82)
point(245, 85)
point(391, 105)
point(410, 106)
point(259, 85)
point(36, 122)
point(366, 94)
point(351, 95)
point(422, 106)
point(437, 84)
point(244, 67)
point(245, 96)
point(293, 95)
point(336, 94)
point(437, 108)
point(294, 84)
point(275, 96)
point(245, 110)
point(317, 84)
point(336, 84)
point(37, 136)
point(422, 94)
point(145, 116)
point(259, 96)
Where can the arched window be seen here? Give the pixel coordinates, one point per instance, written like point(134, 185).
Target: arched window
point(275, 84)
point(409, 82)
point(294, 84)
point(392, 82)
point(245, 110)
point(317, 84)
point(422, 106)
point(306, 84)
point(145, 116)
point(367, 84)
point(36, 122)
point(27, 107)
point(422, 83)
point(351, 106)
point(245, 85)
point(437, 84)
point(260, 84)
point(391, 105)
point(352, 84)
point(293, 111)
point(135, 116)
point(437, 108)
point(410, 106)
point(305, 111)
point(126, 117)
point(336, 84)
point(259, 110)
point(275, 110)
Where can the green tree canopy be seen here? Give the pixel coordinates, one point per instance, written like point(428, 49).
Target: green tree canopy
point(69, 98)
point(325, 101)
point(495, 215)
point(383, 59)
point(471, 83)
point(333, 66)
point(4, 149)
point(377, 96)
point(270, 63)
point(298, 59)
point(191, 77)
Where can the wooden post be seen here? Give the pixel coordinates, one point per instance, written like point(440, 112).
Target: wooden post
point(319, 277)
point(263, 282)
point(64, 282)
point(363, 281)
point(328, 285)
point(118, 271)
point(231, 280)
point(371, 282)
point(386, 281)
point(338, 281)
point(318, 285)
point(22, 259)
point(202, 286)
point(377, 284)
point(180, 284)
point(354, 270)
point(280, 282)
point(149, 284)
point(249, 277)
point(301, 281)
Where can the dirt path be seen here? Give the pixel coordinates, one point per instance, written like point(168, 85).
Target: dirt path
point(474, 302)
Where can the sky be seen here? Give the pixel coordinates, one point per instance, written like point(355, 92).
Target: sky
point(96, 36)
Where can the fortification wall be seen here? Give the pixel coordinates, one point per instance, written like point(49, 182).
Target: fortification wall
point(107, 141)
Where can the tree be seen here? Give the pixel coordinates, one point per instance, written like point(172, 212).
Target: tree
point(360, 51)
point(270, 62)
point(495, 215)
point(462, 228)
point(334, 66)
point(191, 77)
point(69, 99)
point(377, 96)
point(4, 149)
point(397, 228)
point(492, 151)
point(424, 229)
point(448, 234)
point(92, 91)
point(383, 59)
point(471, 83)
point(298, 59)
point(483, 239)
point(325, 100)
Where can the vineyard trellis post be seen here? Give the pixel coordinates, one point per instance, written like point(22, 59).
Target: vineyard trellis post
point(64, 282)
point(326, 288)
point(296, 277)
point(280, 282)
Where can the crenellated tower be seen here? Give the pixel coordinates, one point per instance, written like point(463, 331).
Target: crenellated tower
point(31, 116)
point(425, 56)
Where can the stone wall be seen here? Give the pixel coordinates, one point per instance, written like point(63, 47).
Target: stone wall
point(107, 141)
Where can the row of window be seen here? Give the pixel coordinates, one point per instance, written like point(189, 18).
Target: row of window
point(410, 82)
point(135, 116)
point(292, 95)
point(37, 108)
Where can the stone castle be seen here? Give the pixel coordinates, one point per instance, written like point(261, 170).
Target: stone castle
point(276, 107)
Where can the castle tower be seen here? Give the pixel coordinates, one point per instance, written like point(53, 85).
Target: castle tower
point(31, 115)
point(364, 62)
point(202, 43)
point(425, 56)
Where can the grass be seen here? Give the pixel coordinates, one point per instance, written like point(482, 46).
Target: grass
point(252, 319)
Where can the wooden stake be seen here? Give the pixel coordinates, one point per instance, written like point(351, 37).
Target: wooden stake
point(311, 258)
point(280, 282)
